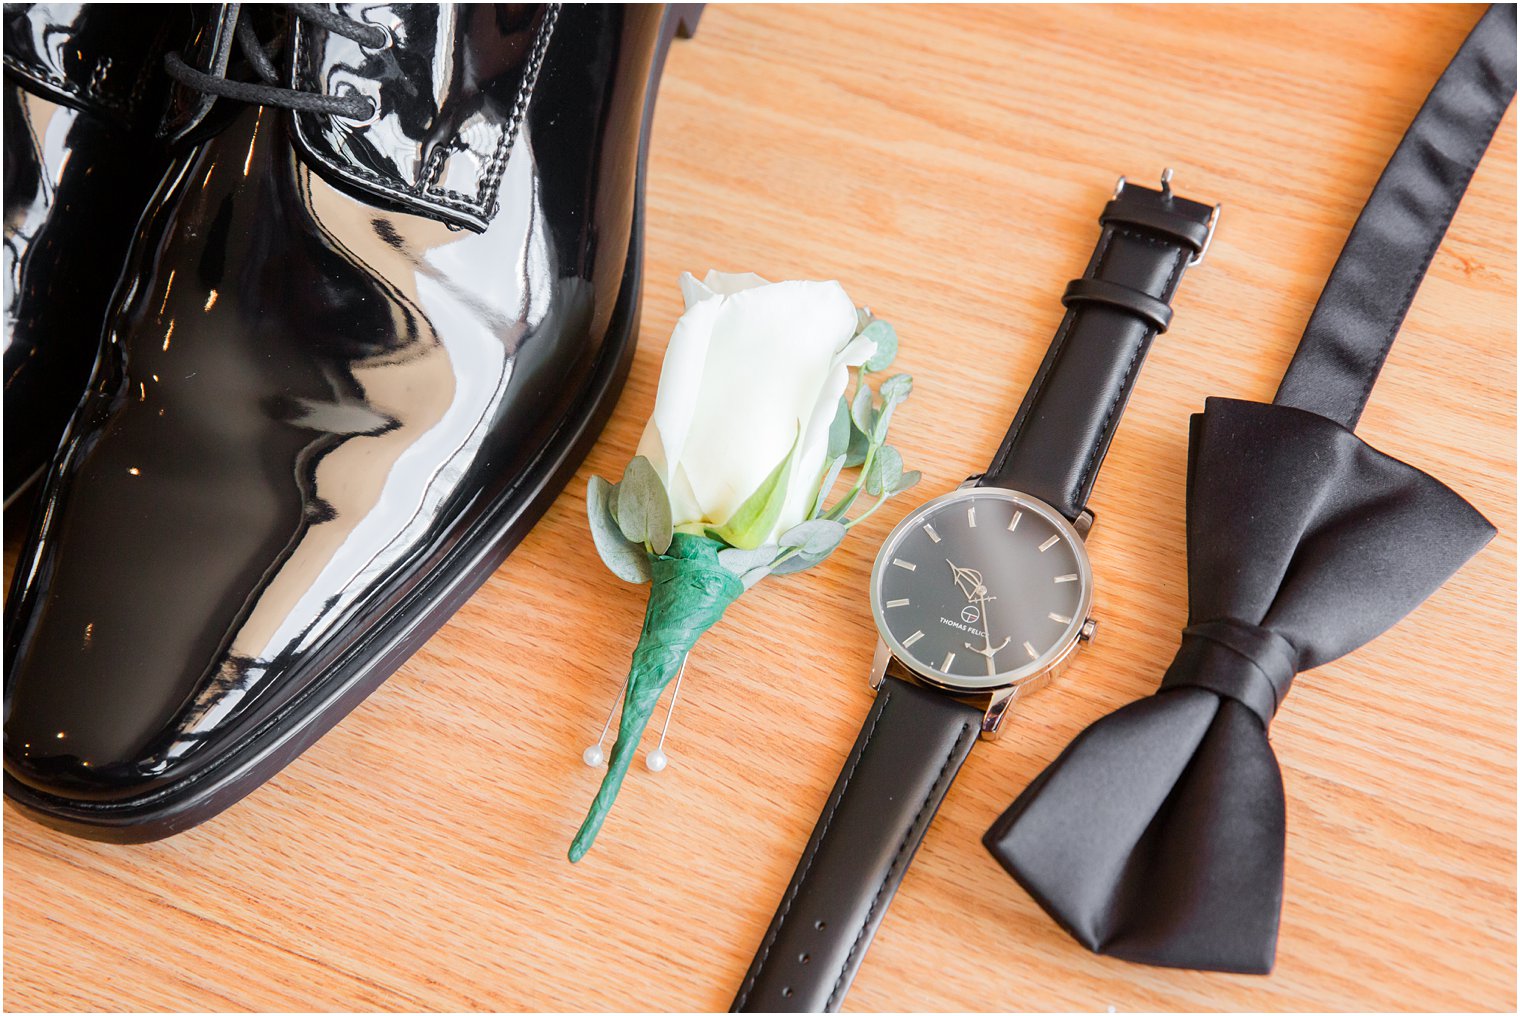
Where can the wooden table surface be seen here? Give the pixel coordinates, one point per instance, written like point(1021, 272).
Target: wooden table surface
point(947, 165)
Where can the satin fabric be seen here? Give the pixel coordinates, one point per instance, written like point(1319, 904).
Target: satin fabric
point(1157, 836)
point(1379, 271)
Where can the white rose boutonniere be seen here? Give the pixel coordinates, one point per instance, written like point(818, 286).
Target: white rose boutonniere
point(753, 426)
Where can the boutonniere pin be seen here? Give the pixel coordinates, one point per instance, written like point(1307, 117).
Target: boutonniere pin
point(754, 424)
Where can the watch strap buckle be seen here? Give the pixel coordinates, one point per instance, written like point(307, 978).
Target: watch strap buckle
point(1166, 192)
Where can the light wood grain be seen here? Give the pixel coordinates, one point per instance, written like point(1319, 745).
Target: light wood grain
point(948, 165)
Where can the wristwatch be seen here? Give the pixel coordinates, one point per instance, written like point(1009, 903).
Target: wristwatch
point(981, 596)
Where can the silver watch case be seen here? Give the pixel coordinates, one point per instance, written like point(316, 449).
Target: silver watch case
point(996, 697)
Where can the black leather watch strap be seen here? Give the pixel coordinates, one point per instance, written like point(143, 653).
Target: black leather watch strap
point(1122, 302)
point(908, 752)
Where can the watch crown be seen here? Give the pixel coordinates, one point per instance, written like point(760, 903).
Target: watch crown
point(1089, 629)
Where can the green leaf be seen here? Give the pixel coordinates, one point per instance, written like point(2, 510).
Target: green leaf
point(741, 561)
point(886, 471)
point(862, 412)
point(863, 317)
point(885, 337)
point(757, 515)
point(859, 445)
point(909, 479)
point(643, 509)
point(894, 392)
point(839, 430)
point(830, 477)
point(799, 563)
point(623, 557)
point(896, 389)
point(816, 537)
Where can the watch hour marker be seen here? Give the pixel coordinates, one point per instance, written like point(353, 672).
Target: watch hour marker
point(932, 534)
point(971, 516)
point(913, 567)
point(1015, 523)
point(1049, 543)
point(1066, 578)
point(904, 603)
point(912, 639)
point(1057, 618)
point(949, 659)
point(1030, 650)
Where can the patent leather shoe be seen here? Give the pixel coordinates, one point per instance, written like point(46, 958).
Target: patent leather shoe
point(84, 91)
point(376, 314)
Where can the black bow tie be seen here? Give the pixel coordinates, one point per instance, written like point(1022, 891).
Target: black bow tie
point(1157, 836)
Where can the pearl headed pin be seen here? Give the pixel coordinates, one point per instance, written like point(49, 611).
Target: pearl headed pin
point(657, 760)
point(594, 756)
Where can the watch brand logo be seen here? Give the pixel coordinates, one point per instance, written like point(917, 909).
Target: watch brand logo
point(960, 627)
point(970, 614)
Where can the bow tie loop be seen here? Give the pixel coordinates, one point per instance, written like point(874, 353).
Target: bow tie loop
point(1245, 662)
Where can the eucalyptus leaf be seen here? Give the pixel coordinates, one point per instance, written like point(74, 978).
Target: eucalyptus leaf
point(839, 430)
point(886, 471)
point(908, 479)
point(754, 519)
point(891, 467)
point(894, 392)
point(829, 479)
point(859, 445)
point(814, 537)
point(623, 557)
point(896, 389)
point(885, 337)
point(643, 509)
point(740, 561)
point(862, 412)
point(863, 317)
point(799, 563)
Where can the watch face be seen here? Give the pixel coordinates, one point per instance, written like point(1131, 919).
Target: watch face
point(981, 588)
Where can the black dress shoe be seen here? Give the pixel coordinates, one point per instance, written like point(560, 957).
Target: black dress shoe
point(376, 315)
point(84, 91)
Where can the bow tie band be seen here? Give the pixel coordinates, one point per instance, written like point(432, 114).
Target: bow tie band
point(1245, 662)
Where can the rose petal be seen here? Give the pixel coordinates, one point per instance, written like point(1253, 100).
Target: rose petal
point(694, 291)
point(857, 352)
point(812, 454)
point(681, 376)
point(729, 283)
point(684, 508)
point(770, 356)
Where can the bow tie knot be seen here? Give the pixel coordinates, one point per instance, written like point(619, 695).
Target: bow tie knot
point(1245, 662)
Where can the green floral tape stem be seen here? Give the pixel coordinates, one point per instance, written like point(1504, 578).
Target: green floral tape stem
point(690, 592)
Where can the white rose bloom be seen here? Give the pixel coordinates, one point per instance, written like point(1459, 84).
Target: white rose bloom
point(754, 371)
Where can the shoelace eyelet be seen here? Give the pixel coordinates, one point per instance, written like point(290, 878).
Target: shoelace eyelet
point(385, 43)
point(360, 121)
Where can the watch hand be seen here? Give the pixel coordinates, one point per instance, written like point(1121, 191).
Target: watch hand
point(987, 635)
point(987, 652)
point(967, 577)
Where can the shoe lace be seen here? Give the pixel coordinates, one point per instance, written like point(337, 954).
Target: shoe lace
point(357, 107)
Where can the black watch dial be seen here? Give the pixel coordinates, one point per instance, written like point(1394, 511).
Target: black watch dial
point(981, 588)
